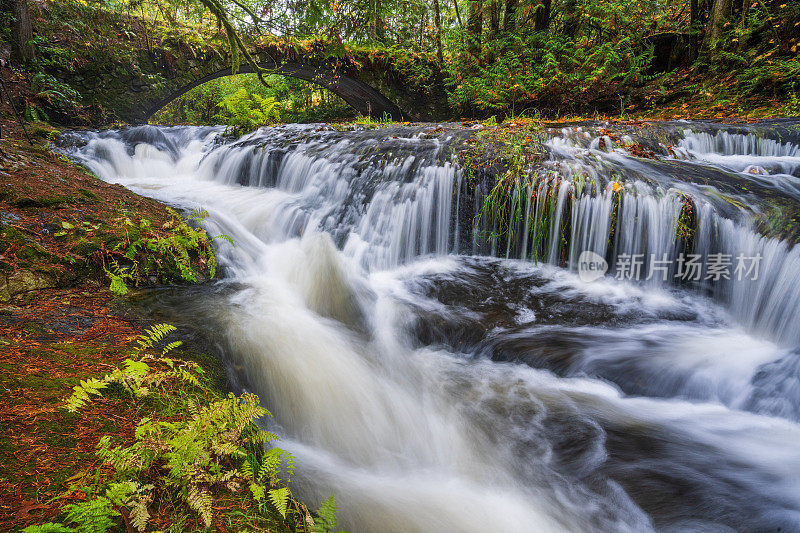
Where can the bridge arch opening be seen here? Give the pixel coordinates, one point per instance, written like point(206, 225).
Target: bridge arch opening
point(289, 99)
point(359, 96)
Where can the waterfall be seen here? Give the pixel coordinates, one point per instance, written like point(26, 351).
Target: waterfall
point(643, 221)
point(436, 391)
point(741, 152)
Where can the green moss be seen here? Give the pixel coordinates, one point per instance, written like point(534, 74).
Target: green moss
point(43, 201)
point(81, 350)
point(780, 220)
point(33, 253)
point(11, 234)
point(687, 221)
point(89, 196)
point(57, 433)
point(43, 385)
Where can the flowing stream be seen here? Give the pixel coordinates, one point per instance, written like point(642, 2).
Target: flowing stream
point(437, 379)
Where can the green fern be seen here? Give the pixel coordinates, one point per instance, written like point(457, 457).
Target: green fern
point(280, 499)
point(81, 394)
point(215, 446)
point(198, 214)
point(154, 335)
point(49, 527)
point(326, 516)
point(200, 500)
point(175, 252)
point(93, 516)
point(258, 492)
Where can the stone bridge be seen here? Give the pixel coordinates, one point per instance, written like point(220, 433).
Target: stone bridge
point(404, 85)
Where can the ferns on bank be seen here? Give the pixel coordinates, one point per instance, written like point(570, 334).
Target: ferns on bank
point(214, 448)
point(174, 252)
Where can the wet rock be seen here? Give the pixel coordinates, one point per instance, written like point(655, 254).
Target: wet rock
point(22, 281)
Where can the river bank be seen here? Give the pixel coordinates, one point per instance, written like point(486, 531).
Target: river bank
point(68, 244)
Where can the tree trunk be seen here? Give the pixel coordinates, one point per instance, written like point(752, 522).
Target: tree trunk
point(437, 21)
point(22, 50)
point(475, 27)
point(423, 24)
point(542, 21)
point(510, 16)
point(694, 28)
point(494, 18)
point(720, 11)
point(572, 19)
point(376, 30)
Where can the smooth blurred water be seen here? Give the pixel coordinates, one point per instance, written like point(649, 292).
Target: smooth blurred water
point(436, 391)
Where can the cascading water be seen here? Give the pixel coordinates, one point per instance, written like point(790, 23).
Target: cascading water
point(433, 391)
point(642, 224)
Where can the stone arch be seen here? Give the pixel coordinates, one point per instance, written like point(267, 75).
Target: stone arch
point(359, 95)
point(405, 87)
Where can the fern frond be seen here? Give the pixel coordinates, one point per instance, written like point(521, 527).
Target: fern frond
point(93, 516)
point(187, 376)
point(258, 492)
point(270, 437)
point(224, 237)
point(49, 527)
point(171, 346)
point(154, 335)
point(198, 214)
point(81, 393)
point(270, 464)
point(138, 507)
point(200, 500)
point(280, 499)
point(326, 515)
point(247, 470)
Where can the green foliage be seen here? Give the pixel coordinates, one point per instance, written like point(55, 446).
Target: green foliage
point(384, 120)
point(56, 93)
point(590, 53)
point(49, 527)
point(210, 449)
point(201, 104)
point(83, 392)
point(35, 114)
point(176, 251)
point(244, 104)
point(94, 516)
point(759, 48)
point(686, 219)
point(199, 454)
point(245, 112)
point(533, 66)
point(326, 516)
point(792, 106)
point(136, 376)
point(280, 499)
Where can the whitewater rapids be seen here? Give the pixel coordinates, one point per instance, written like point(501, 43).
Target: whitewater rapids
point(432, 387)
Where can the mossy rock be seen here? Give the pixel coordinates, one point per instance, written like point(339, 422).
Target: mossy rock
point(86, 247)
point(22, 281)
point(88, 196)
point(11, 234)
point(33, 253)
point(43, 201)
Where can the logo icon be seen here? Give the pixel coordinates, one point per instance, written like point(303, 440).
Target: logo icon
point(591, 266)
